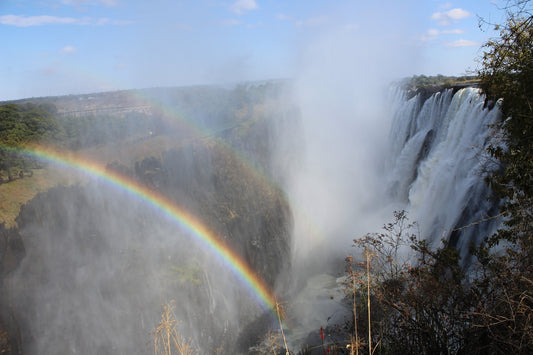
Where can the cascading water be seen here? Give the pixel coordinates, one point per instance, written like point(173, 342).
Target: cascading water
point(433, 166)
point(437, 164)
point(346, 184)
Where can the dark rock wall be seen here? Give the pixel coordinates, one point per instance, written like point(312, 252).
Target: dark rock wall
point(12, 252)
point(97, 255)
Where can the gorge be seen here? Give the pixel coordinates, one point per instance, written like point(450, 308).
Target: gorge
point(283, 185)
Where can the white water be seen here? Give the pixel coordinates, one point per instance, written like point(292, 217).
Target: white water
point(433, 166)
point(437, 162)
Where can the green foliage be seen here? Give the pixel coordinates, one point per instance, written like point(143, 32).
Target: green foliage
point(416, 309)
point(417, 82)
point(430, 306)
point(504, 314)
point(21, 125)
point(507, 76)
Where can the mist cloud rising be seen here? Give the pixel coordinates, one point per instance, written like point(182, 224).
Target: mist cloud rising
point(344, 74)
point(336, 186)
point(100, 262)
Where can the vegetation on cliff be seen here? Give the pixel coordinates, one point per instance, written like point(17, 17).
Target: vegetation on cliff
point(429, 304)
point(214, 164)
point(424, 304)
point(21, 125)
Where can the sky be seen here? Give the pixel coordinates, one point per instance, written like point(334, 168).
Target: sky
point(60, 47)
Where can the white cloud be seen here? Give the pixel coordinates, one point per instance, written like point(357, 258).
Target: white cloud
point(259, 24)
point(51, 69)
point(313, 21)
point(434, 32)
point(27, 21)
point(283, 17)
point(456, 31)
point(102, 21)
point(230, 22)
point(462, 43)
point(446, 18)
point(108, 3)
point(351, 27)
point(107, 21)
point(458, 14)
point(120, 22)
point(68, 50)
point(241, 6)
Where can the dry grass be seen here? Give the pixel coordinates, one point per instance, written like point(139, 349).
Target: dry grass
point(280, 311)
point(16, 193)
point(167, 339)
point(273, 342)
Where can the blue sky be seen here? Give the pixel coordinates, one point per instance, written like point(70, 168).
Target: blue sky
point(57, 47)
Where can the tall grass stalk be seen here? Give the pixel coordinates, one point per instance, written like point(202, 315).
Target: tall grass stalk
point(281, 314)
point(368, 255)
point(356, 345)
point(166, 337)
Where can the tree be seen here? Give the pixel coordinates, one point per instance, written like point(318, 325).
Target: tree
point(507, 77)
point(24, 124)
point(503, 316)
point(418, 307)
point(431, 305)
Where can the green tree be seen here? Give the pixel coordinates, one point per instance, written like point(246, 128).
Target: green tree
point(24, 124)
point(503, 316)
point(431, 306)
point(507, 77)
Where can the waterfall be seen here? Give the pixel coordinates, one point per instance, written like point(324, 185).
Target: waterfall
point(437, 163)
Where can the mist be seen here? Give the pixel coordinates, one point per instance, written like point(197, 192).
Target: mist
point(285, 172)
point(337, 186)
point(100, 261)
point(341, 89)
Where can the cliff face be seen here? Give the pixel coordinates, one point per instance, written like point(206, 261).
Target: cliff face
point(437, 157)
point(12, 252)
point(98, 260)
point(90, 266)
point(98, 263)
point(231, 196)
point(236, 199)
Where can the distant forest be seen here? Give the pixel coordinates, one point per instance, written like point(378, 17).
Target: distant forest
point(77, 122)
point(21, 125)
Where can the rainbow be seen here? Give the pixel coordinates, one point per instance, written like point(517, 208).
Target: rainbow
point(161, 204)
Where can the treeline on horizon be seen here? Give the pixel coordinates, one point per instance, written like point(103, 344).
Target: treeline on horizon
point(31, 121)
point(22, 125)
point(38, 121)
point(429, 85)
